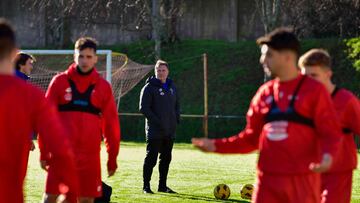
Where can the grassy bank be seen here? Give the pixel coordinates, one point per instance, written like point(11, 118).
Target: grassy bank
point(234, 76)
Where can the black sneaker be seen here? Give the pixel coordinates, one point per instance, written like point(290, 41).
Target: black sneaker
point(166, 190)
point(147, 190)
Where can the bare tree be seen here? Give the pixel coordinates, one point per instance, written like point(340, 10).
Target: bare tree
point(165, 14)
point(270, 13)
point(171, 11)
point(59, 14)
point(324, 18)
point(158, 17)
point(55, 22)
point(156, 24)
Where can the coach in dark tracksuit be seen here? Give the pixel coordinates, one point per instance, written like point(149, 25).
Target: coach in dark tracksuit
point(159, 102)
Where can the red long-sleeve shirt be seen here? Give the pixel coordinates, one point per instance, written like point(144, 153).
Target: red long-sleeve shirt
point(347, 106)
point(85, 129)
point(297, 145)
point(23, 109)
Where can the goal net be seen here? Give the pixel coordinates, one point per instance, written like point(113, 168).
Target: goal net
point(117, 68)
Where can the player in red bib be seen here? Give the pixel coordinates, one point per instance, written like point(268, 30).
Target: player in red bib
point(23, 111)
point(88, 111)
point(288, 120)
point(337, 182)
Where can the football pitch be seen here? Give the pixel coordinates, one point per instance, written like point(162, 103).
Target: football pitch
point(192, 174)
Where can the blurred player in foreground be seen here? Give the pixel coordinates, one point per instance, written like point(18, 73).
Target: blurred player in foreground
point(336, 183)
point(23, 111)
point(288, 120)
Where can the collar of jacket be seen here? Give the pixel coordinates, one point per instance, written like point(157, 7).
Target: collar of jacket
point(156, 82)
point(74, 74)
point(21, 75)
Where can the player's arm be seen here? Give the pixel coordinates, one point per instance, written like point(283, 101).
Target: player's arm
point(52, 92)
point(244, 142)
point(145, 106)
point(328, 127)
point(51, 132)
point(111, 126)
point(51, 95)
point(352, 115)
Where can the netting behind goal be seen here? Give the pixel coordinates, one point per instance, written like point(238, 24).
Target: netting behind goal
point(125, 73)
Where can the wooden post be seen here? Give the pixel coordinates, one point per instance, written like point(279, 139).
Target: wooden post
point(206, 112)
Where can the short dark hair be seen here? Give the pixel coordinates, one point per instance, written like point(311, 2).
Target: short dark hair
point(316, 57)
point(161, 62)
point(21, 59)
point(86, 42)
point(7, 38)
point(282, 38)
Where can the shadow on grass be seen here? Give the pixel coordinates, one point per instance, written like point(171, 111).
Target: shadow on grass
point(200, 198)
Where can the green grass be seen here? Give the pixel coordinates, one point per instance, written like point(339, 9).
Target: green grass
point(193, 175)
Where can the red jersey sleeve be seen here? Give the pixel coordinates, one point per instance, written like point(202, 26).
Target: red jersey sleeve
point(248, 139)
point(51, 95)
point(352, 115)
point(52, 135)
point(52, 91)
point(111, 127)
point(326, 121)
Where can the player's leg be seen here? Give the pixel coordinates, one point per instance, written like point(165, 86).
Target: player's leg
point(306, 188)
point(86, 200)
point(50, 198)
point(266, 189)
point(152, 150)
point(51, 187)
point(271, 188)
point(52, 193)
point(89, 174)
point(334, 184)
point(164, 163)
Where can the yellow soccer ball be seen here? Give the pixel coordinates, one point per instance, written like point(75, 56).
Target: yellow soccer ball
point(222, 191)
point(246, 191)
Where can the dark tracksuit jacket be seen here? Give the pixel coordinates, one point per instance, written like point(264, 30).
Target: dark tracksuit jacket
point(160, 106)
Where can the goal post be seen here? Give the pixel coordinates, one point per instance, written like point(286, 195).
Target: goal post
point(121, 72)
point(108, 54)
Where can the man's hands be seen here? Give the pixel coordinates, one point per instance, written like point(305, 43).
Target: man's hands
point(324, 165)
point(204, 144)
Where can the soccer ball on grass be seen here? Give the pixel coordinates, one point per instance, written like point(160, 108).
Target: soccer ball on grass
point(246, 191)
point(222, 191)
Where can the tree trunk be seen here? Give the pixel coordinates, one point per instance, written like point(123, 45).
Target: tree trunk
point(156, 27)
point(270, 13)
point(66, 38)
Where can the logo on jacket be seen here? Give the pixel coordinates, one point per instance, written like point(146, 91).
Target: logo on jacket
point(161, 92)
point(276, 130)
point(68, 95)
point(81, 102)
